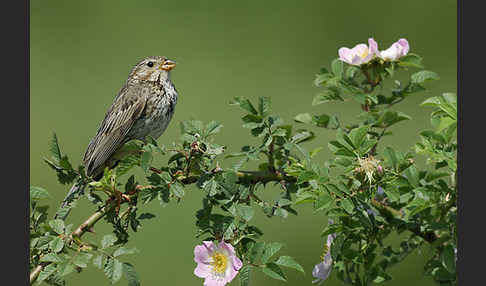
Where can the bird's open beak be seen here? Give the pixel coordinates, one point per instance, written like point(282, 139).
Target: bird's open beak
point(167, 65)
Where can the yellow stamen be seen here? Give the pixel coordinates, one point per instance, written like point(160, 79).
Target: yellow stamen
point(219, 262)
point(364, 55)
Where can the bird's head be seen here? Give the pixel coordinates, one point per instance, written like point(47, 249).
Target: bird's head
point(153, 69)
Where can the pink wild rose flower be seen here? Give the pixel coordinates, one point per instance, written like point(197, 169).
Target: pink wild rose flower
point(216, 262)
point(360, 54)
point(397, 50)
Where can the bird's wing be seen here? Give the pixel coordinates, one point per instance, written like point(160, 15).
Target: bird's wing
point(111, 135)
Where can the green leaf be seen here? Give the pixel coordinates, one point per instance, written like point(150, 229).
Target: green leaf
point(211, 187)
point(51, 257)
point(245, 104)
point(65, 268)
point(322, 79)
point(263, 105)
point(57, 225)
point(392, 193)
point(351, 71)
point(412, 176)
point(245, 212)
point(448, 259)
point(358, 135)
point(411, 60)
point(288, 261)
point(177, 189)
point(131, 275)
point(46, 272)
point(122, 250)
point(113, 269)
point(98, 261)
point(391, 156)
point(256, 251)
point(56, 244)
point(274, 271)
point(54, 149)
point(337, 67)
point(245, 275)
point(303, 118)
point(326, 96)
point(390, 117)
point(348, 205)
point(212, 127)
point(38, 193)
point(423, 76)
point(323, 202)
point(270, 249)
point(82, 259)
point(108, 240)
point(146, 160)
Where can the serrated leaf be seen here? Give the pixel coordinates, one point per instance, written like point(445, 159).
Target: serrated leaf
point(263, 105)
point(411, 60)
point(288, 261)
point(269, 250)
point(337, 67)
point(54, 148)
point(303, 118)
point(113, 269)
point(65, 268)
point(46, 272)
point(57, 225)
point(423, 76)
point(145, 160)
point(448, 259)
point(38, 193)
point(273, 270)
point(51, 257)
point(98, 261)
point(131, 275)
point(56, 244)
point(347, 205)
point(245, 275)
point(245, 104)
point(392, 193)
point(256, 251)
point(324, 201)
point(358, 135)
point(146, 216)
point(177, 189)
point(245, 212)
point(108, 240)
point(82, 259)
point(213, 127)
point(326, 96)
point(123, 250)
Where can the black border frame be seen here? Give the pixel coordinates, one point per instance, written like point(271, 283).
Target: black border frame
point(16, 118)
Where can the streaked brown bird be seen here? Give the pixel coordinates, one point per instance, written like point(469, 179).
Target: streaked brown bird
point(144, 106)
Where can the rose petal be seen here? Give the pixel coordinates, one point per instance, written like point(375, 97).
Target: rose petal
point(201, 254)
point(237, 264)
point(405, 47)
point(356, 60)
point(202, 270)
point(210, 281)
point(345, 55)
point(373, 46)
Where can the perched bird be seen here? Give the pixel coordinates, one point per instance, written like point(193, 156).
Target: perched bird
point(144, 106)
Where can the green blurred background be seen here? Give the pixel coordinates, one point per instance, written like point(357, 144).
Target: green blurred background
point(81, 53)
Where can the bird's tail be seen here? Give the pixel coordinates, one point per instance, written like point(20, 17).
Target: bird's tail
point(76, 190)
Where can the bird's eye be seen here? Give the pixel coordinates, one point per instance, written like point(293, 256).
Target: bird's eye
point(150, 64)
